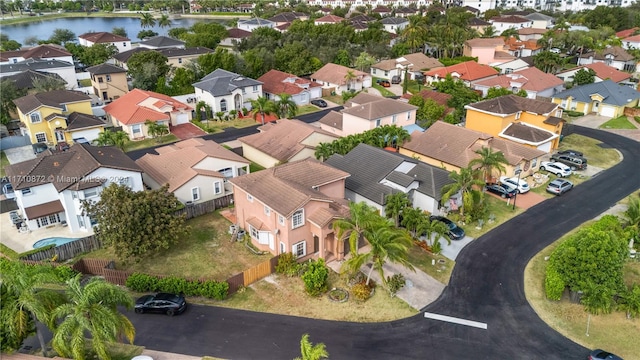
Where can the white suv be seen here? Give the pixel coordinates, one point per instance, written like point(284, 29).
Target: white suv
point(520, 184)
point(556, 168)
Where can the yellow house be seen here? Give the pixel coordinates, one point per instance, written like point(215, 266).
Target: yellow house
point(109, 82)
point(529, 122)
point(605, 98)
point(43, 114)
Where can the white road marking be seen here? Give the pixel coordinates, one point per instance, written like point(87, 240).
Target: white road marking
point(455, 320)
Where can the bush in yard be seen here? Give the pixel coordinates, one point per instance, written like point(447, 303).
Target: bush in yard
point(395, 283)
point(173, 285)
point(215, 289)
point(361, 291)
point(315, 278)
point(142, 282)
point(288, 265)
point(553, 284)
point(64, 273)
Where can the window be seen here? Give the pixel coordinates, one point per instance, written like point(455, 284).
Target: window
point(559, 113)
point(408, 115)
point(100, 80)
point(223, 105)
point(394, 118)
point(64, 107)
point(74, 194)
point(244, 91)
point(386, 73)
point(518, 115)
point(378, 122)
point(108, 78)
point(255, 88)
point(267, 210)
point(35, 118)
point(43, 221)
point(53, 219)
point(80, 221)
point(136, 130)
point(226, 172)
point(217, 187)
point(373, 71)
point(41, 137)
point(299, 249)
point(90, 193)
point(124, 44)
point(254, 232)
point(297, 219)
point(283, 248)
point(534, 163)
point(249, 198)
point(179, 60)
point(281, 219)
point(26, 191)
point(195, 194)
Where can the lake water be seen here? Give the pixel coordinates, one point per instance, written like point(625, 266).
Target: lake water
point(43, 29)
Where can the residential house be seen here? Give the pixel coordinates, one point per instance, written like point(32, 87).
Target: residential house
point(133, 109)
point(452, 147)
point(382, 11)
point(50, 188)
point(194, 7)
point(40, 52)
point(631, 42)
point(470, 72)
point(340, 78)
point(502, 23)
point(531, 33)
point(489, 51)
point(288, 18)
point(519, 48)
point(623, 34)
point(602, 72)
point(377, 173)
point(80, 128)
point(109, 82)
point(291, 208)
point(161, 42)
point(394, 24)
point(441, 99)
point(225, 91)
point(512, 66)
point(524, 121)
point(276, 82)
point(329, 19)
point(365, 112)
point(196, 170)
point(40, 113)
point(406, 11)
point(178, 57)
point(283, 141)
point(541, 21)
point(361, 18)
point(415, 64)
point(27, 80)
point(234, 36)
point(121, 59)
point(604, 98)
point(63, 69)
point(120, 42)
point(532, 80)
point(614, 56)
point(478, 25)
point(254, 23)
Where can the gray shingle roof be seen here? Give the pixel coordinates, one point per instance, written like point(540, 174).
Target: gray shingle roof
point(125, 55)
point(222, 82)
point(24, 80)
point(394, 21)
point(105, 69)
point(614, 94)
point(54, 98)
point(256, 21)
point(173, 52)
point(162, 41)
point(33, 64)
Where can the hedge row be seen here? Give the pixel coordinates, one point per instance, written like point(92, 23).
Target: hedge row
point(211, 289)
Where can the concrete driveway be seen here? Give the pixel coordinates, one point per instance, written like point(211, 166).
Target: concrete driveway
point(20, 154)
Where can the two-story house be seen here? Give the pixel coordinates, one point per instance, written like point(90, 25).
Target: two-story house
point(65, 70)
point(485, 50)
point(365, 112)
point(604, 98)
point(413, 64)
point(340, 78)
point(502, 23)
point(525, 121)
point(109, 82)
point(223, 91)
point(614, 56)
point(120, 42)
point(291, 208)
point(40, 52)
point(469, 72)
point(196, 170)
point(254, 23)
point(50, 188)
point(161, 42)
point(276, 82)
point(532, 80)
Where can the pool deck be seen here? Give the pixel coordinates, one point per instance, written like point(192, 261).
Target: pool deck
point(21, 242)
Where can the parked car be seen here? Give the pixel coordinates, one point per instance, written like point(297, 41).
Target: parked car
point(599, 354)
point(455, 231)
point(396, 79)
point(383, 83)
point(521, 185)
point(319, 103)
point(8, 192)
point(39, 147)
point(574, 162)
point(162, 303)
point(570, 152)
point(559, 186)
point(557, 168)
point(503, 190)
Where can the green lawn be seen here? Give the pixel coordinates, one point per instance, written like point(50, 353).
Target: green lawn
point(597, 156)
point(307, 109)
point(3, 162)
point(422, 260)
point(497, 208)
point(146, 143)
point(335, 99)
point(621, 122)
point(383, 91)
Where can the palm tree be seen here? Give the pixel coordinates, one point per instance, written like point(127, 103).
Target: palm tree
point(164, 21)
point(414, 33)
point(156, 130)
point(463, 183)
point(286, 107)
point(489, 161)
point(147, 20)
point(386, 244)
point(349, 77)
point(309, 351)
point(92, 310)
point(395, 205)
point(411, 218)
point(323, 151)
point(510, 32)
point(597, 299)
point(361, 218)
point(489, 32)
point(262, 106)
point(630, 301)
point(110, 138)
point(632, 215)
point(430, 227)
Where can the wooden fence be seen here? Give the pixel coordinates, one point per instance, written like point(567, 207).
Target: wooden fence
point(67, 251)
point(205, 207)
point(252, 274)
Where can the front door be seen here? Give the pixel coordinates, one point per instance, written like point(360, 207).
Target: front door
point(59, 135)
point(595, 106)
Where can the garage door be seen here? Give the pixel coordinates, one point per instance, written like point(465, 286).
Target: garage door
point(182, 119)
point(608, 111)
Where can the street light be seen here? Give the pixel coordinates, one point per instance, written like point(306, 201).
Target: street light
point(518, 171)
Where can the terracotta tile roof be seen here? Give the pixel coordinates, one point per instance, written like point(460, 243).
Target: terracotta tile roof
point(604, 71)
point(438, 97)
point(379, 108)
point(49, 208)
point(278, 82)
point(330, 19)
point(103, 37)
point(511, 104)
point(526, 133)
point(284, 139)
point(54, 98)
point(514, 19)
point(236, 33)
point(332, 119)
point(531, 31)
point(288, 187)
point(127, 109)
point(381, 9)
point(531, 79)
point(334, 74)
point(485, 42)
point(623, 34)
point(634, 38)
point(618, 53)
point(468, 71)
point(514, 44)
point(456, 145)
point(174, 164)
point(46, 51)
point(65, 169)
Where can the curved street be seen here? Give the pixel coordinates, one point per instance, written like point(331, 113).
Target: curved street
point(486, 286)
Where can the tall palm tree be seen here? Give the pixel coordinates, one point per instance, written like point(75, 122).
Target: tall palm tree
point(510, 32)
point(156, 130)
point(349, 77)
point(632, 215)
point(489, 161)
point(489, 32)
point(361, 218)
point(463, 183)
point(395, 205)
point(286, 107)
point(147, 20)
point(164, 21)
point(92, 310)
point(323, 151)
point(262, 106)
point(430, 228)
point(411, 218)
point(630, 301)
point(308, 351)
point(414, 33)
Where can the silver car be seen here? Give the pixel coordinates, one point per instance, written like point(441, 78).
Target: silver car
point(559, 186)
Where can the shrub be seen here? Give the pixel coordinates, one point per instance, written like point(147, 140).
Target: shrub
point(173, 285)
point(64, 273)
point(361, 291)
point(214, 289)
point(436, 248)
point(315, 278)
point(553, 284)
point(395, 283)
point(142, 282)
point(573, 113)
point(288, 265)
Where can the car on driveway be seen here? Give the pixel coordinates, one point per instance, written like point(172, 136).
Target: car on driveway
point(559, 186)
point(599, 354)
point(505, 191)
point(455, 232)
point(161, 303)
point(574, 162)
point(8, 192)
point(521, 185)
point(319, 103)
point(556, 168)
point(570, 152)
point(383, 83)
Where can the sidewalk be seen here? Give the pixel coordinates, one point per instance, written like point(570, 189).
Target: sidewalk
point(595, 121)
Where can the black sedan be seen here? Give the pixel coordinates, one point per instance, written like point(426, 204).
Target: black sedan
point(319, 103)
point(455, 232)
point(501, 189)
point(161, 303)
point(598, 354)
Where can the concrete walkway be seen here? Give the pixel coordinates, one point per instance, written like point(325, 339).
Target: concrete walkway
point(595, 121)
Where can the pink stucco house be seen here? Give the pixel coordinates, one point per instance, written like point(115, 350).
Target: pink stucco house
point(291, 208)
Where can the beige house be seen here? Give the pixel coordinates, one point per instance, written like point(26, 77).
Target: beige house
point(413, 63)
point(283, 141)
point(177, 57)
point(365, 112)
point(340, 78)
point(291, 208)
point(109, 82)
point(196, 170)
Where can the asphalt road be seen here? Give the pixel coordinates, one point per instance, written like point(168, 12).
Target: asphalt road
point(486, 286)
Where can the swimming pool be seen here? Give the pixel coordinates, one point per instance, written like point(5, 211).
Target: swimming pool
point(52, 240)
